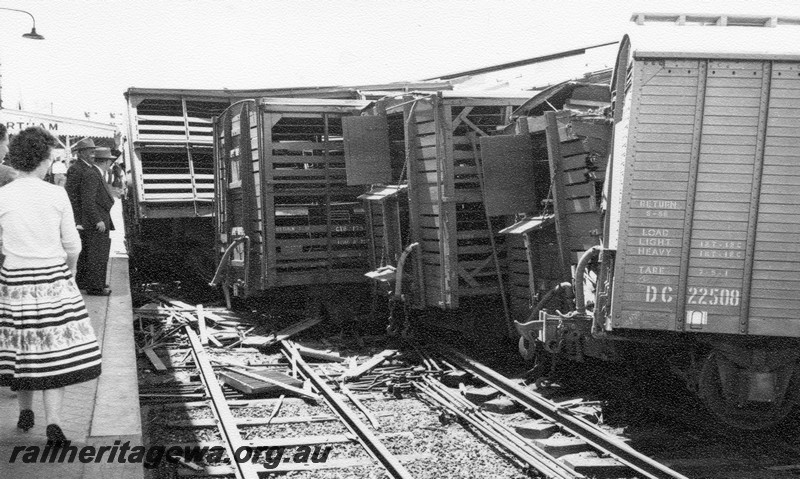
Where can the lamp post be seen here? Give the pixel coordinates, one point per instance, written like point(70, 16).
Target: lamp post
point(32, 36)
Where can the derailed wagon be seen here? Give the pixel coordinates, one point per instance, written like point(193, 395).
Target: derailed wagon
point(459, 258)
point(285, 215)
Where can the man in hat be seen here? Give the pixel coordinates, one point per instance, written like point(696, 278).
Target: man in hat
point(75, 174)
point(96, 203)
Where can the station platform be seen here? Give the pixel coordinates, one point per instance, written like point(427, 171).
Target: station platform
point(95, 413)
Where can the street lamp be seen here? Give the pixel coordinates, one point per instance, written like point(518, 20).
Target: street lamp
point(32, 36)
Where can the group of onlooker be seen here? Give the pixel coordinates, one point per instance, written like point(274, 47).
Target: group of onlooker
point(91, 203)
point(55, 242)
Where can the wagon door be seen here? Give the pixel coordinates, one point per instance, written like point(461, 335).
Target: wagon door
point(316, 226)
point(239, 204)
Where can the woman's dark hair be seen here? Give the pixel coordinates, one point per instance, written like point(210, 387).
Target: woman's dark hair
point(3, 131)
point(30, 148)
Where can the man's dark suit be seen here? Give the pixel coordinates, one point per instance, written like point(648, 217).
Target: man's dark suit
point(95, 204)
point(75, 175)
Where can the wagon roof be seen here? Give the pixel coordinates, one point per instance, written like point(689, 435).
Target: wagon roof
point(311, 102)
point(663, 40)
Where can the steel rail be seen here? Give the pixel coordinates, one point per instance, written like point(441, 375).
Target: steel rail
point(523, 451)
point(577, 426)
point(226, 422)
point(370, 442)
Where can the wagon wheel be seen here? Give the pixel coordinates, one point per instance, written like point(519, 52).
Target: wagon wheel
point(750, 417)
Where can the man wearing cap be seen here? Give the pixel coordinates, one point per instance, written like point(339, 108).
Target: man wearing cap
point(96, 203)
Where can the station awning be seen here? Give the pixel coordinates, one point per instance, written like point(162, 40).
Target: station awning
point(18, 120)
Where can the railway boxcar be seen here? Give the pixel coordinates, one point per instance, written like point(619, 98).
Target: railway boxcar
point(700, 246)
point(285, 213)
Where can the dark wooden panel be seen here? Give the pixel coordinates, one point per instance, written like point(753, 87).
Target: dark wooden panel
point(509, 174)
point(366, 147)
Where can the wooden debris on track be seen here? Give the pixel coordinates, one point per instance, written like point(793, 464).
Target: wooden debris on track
point(265, 341)
point(154, 359)
point(261, 381)
point(270, 377)
point(374, 361)
point(214, 328)
point(318, 354)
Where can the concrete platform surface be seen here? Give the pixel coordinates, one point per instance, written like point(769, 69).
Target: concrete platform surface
point(95, 413)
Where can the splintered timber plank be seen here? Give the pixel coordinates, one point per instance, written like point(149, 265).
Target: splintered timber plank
point(154, 359)
point(260, 381)
point(189, 308)
point(263, 341)
point(358, 371)
point(318, 354)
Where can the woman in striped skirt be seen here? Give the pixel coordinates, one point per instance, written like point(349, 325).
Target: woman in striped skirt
point(46, 339)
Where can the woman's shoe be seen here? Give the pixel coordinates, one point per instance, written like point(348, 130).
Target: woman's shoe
point(55, 436)
point(25, 421)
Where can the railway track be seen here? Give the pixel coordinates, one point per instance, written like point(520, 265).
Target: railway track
point(606, 451)
point(329, 411)
point(220, 403)
point(232, 439)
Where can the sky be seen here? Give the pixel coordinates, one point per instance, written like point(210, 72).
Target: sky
point(95, 50)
